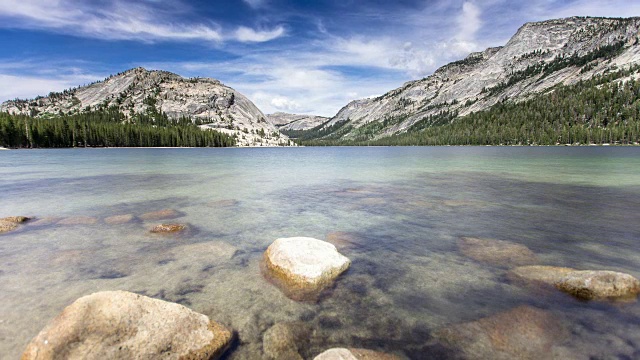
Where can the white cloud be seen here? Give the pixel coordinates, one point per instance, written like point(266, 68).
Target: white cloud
point(469, 21)
point(284, 104)
point(28, 87)
point(119, 21)
point(245, 34)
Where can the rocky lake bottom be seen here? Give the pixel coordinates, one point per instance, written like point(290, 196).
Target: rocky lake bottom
point(399, 214)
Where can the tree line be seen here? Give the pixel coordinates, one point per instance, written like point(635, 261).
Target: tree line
point(106, 128)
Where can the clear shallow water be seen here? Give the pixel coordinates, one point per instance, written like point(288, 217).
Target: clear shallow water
point(407, 208)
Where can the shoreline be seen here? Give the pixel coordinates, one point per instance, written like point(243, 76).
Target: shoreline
point(318, 146)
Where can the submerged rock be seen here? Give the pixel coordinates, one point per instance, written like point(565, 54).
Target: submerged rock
point(223, 203)
point(594, 285)
point(78, 220)
point(524, 332)
point(583, 284)
point(71, 257)
point(168, 228)
point(119, 219)
point(538, 274)
point(210, 250)
point(46, 221)
point(302, 267)
point(496, 252)
point(344, 240)
point(283, 341)
point(161, 215)
point(354, 354)
point(123, 325)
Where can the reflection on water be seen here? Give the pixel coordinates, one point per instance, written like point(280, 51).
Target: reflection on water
point(397, 213)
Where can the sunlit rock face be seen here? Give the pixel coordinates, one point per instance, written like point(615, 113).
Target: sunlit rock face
point(137, 90)
point(486, 78)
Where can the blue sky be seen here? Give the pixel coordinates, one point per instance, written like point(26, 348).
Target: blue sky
point(293, 56)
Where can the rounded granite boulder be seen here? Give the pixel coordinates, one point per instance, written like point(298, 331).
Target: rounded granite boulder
point(16, 219)
point(6, 226)
point(124, 325)
point(168, 228)
point(11, 223)
point(583, 284)
point(302, 267)
point(595, 285)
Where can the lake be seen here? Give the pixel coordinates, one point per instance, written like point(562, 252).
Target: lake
point(403, 211)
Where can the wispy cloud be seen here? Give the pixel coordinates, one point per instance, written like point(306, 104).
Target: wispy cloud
point(120, 20)
point(246, 34)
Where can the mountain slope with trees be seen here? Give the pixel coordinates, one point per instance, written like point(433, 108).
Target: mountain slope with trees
point(540, 58)
point(602, 110)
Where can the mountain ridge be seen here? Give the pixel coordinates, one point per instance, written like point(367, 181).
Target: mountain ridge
point(537, 57)
point(140, 91)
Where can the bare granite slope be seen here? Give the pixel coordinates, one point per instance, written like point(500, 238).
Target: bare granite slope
point(285, 121)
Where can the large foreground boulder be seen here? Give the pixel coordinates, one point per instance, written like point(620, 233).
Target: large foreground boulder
point(496, 252)
point(524, 332)
point(583, 284)
point(124, 325)
point(354, 354)
point(302, 267)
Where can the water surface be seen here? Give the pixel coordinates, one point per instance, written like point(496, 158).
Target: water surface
point(406, 208)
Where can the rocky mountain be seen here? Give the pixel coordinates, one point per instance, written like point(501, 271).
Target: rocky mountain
point(538, 57)
point(286, 122)
point(140, 91)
